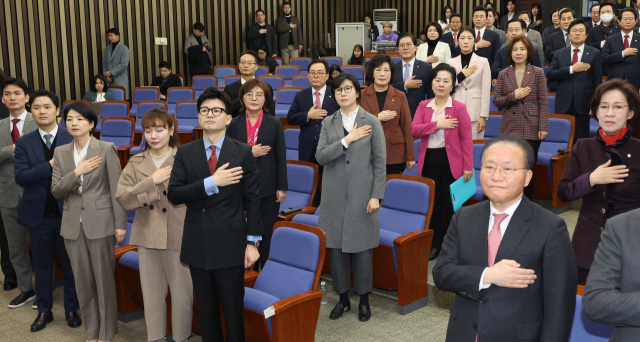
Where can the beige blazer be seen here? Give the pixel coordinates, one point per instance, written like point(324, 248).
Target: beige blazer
point(475, 90)
point(101, 213)
point(158, 223)
point(442, 50)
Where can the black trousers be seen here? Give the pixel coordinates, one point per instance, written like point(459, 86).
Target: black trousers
point(5, 260)
point(581, 130)
point(436, 167)
point(530, 189)
point(396, 169)
point(269, 210)
point(44, 240)
point(214, 288)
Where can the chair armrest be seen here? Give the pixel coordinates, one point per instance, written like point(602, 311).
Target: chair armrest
point(305, 210)
point(124, 154)
point(250, 278)
point(408, 237)
point(558, 164)
point(290, 302)
point(413, 265)
point(120, 251)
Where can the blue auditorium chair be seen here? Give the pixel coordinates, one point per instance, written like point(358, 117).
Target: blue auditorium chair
point(118, 92)
point(333, 60)
point(202, 82)
point(261, 71)
point(112, 109)
point(275, 81)
point(284, 99)
point(584, 330)
point(287, 284)
point(143, 94)
point(355, 70)
point(222, 71)
point(301, 81)
point(291, 136)
point(288, 71)
point(492, 107)
point(187, 116)
point(477, 166)
point(492, 129)
point(230, 79)
point(414, 171)
point(303, 183)
point(119, 131)
point(552, 103)
point(550, 161)
point(594, 125)
point(181, 77)
point(177, 94)
point(396, 59)
point(302, 62)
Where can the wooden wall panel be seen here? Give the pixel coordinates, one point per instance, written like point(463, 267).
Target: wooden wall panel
point(58, 44)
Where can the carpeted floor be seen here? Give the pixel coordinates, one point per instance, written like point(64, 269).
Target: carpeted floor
point(426, 324)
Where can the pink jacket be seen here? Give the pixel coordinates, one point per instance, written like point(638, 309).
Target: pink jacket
point(458, 141)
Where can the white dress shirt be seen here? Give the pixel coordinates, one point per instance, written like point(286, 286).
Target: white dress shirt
point(581, 48)
point(481, 35)
point(243, 81)
point(53, 133)
point(100, 97)
point(436, 140)
point(19, 124)
point(348, 120)
point(503, 228)
point(77, 157)
point(630, 39)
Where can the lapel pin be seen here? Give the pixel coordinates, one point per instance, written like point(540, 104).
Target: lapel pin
point(629, 155)
point(393, 99)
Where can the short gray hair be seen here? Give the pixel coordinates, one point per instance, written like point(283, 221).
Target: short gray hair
point(387, 23)
point(515, 140)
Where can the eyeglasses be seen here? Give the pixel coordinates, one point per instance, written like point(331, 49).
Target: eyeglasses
point(617, 108)
point(346, 89)
point(407, 45)
point(505, 171)
point(578, 31)
point(216, 111)
point(258, 96)
point(319, 74)
point(247, 63)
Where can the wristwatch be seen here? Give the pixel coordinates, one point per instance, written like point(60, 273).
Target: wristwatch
point(255, 244)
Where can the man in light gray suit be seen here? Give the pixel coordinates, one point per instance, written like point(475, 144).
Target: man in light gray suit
point(14, 96)
point(611, 295)
point(491, 19)
point(116, 61)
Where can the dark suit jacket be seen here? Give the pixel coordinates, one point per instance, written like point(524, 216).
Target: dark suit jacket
point(504, 20)
point(586, 155)
point(282, 27)
point(535, 238)
point(233, 89)
point(611, 294)
point(199, 61)
point(309, 129)
point(488, 52)
point(578, 87)
point(33, 172)
point(600, 33)
point(273, 165)
point(414, 96)
point(215, 230)
point(172, 81)
point(448, 38)
point(269, 63)
point(254, 38)
point(501, 61)
point(555, 42)
point(4, 111)
point(616, 66)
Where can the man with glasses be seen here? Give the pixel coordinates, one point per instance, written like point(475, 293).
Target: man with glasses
point(595, 17)
point(578, 70)
point(508, 260)
point(247, 65)
point(515, 28)
point(218, 180)
point(309, 108)
point(620, 52)
point(608, 27)
point(412, 75)
point(451, 38)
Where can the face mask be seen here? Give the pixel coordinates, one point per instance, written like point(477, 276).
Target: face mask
point(606, 18)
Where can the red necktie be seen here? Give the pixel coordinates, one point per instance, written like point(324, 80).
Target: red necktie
point(15, 133)
point(574, 60)
point(213, 160)
point(478, 39)
point(494, 238)
point(455, 37)
point(318, 105)
point(626, 41)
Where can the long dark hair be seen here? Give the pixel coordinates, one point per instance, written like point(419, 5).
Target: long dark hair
point(357, 60)
point(443, 18)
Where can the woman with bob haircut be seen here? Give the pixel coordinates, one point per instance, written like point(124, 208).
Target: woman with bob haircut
point(98, 92)
point(434, 51)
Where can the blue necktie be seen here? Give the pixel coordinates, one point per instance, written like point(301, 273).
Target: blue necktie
point(48, 142)
point(407, 71)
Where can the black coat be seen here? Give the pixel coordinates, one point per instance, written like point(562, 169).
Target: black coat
point(254, 38)
point(600, 33)
point(215, 230)
point(273, 165)
point(616, 66)
point(233, 89)
point(414, 96)
point(555, 42)
point(269, 63)
point(199, 61)
point(172, 81)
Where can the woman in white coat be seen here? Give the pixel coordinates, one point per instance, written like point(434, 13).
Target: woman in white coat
point(474, 82)
point(434, 51)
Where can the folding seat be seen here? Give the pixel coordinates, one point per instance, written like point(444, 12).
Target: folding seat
point(221, 71)
point(143, 94)
point(492, 107)
point(276, 82)
point(187, 117)
point(584, 330)
point(291, 141)
point(396, 59)
point(551, 99)
point(302, 62)
point(414, 171)
point(355, 70)
point(303, 183)
point(112, 109)
point(284, 99)
point(288, 72)
point(333, 60)
point(118, 92)
point(200, 83)
point(230, 79)
point(594, 125)
point(492, 129)
point(261, 71)
point(176, 94)
point(120, 132)
point(301, 81)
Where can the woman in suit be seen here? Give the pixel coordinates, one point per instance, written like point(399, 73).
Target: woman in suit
point(98, 92)
point(446, 150)
point(474, 82)
point(353, 152)
point(392, 109)
point(85, 174)
point(157, 229)
point(601, 170)
point(265, 136)
point(521, 93)
point(434, 51)
point(166, 79)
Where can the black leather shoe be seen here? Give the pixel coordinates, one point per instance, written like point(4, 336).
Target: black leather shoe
point(41, 321)
point(364, 313)
point(73, 319)
point(434, 253)
point(338, 310)
point(22, 299)
point(10, 282)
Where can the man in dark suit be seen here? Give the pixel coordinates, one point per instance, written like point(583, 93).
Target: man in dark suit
point(261, 33)
point(620, 57)
point(595, 18)
point(451, 38)
point(166, 79)
point(516, 28)
point(607, 28)
point(412, 75)
point(309, 108)
point(247, 65)
point(40, 211)
point(578, 71)
point(511, 14)
point(487, 41)
point(508, 260)
point(560, 39)
point(217, 178)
